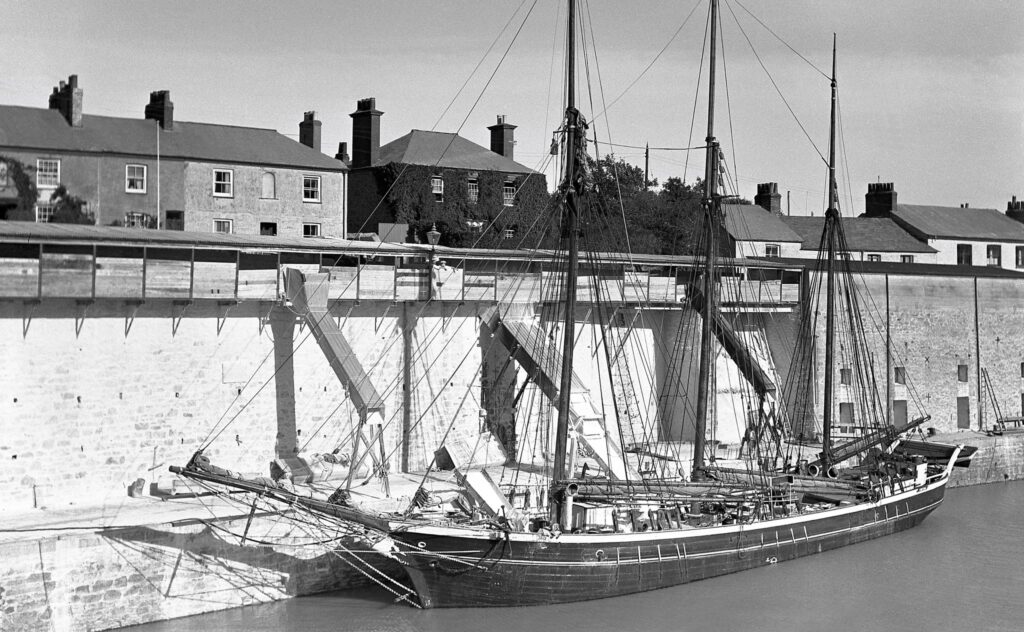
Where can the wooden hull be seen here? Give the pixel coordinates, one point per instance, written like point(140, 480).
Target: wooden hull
point(456, 567)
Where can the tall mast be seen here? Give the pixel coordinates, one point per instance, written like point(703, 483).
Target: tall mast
point(569, 231)
point(831, 219)
point(710, 289)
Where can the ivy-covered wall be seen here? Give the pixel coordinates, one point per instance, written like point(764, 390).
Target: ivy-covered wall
point(403, 193)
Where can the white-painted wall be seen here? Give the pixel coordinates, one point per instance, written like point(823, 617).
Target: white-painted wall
point(757, 248)
point(947, 252)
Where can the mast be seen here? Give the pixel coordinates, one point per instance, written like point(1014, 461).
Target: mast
point(710, 285)
point(569, 231)
point(831, 219)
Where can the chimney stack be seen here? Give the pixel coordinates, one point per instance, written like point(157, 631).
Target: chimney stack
point(309, 131)
point(161, 109)
point(67, 99)
point(880, 200)
point(769, 198)
point(503, 139)
point(365, 133)
point(342, 154)
point(1015, 209)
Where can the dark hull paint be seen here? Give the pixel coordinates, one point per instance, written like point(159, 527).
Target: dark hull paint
point(451, 571)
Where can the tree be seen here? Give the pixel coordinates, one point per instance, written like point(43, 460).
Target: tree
point(23, 182)
point(69, 209)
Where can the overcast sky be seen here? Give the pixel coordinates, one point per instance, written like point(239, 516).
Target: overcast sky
point(931, 91)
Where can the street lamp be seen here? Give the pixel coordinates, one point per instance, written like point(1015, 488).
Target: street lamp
point(433, 236)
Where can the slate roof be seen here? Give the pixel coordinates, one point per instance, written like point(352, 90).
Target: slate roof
point(983, 224)
point(746, 222)
point(44, 129)
point(445, 149)
point(863, 234)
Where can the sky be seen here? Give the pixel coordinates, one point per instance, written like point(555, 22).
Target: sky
point(931, 91)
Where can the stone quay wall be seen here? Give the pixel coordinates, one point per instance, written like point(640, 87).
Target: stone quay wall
point(127, 576)
point(101, 386)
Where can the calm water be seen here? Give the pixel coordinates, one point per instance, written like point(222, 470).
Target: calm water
point(962, 569)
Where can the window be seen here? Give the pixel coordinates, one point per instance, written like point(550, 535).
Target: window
point(268, 228)
point(136, 219)
point(135, 178)
point(1022, 369)
point(1020, 256)
point(846, 414)
point(508, 233)
point(963, 255)
point(994, 255)
point(44, 211)
point(222, 225)
point(5, 180)
point(473, 190)
point(900, 375)
point(508, 194)
point(845, 376)
point(311, 230)
point(771, 250)
point(310, 188)
point(47, 173)
point(899, 411)
point(268, 189)
point(437, 188)
point(175, 220)
point(873, 257)
point(961, 373)
point(906, 258)
point(223, 184)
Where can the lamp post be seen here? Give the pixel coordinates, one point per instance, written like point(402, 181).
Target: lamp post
point(433, 236)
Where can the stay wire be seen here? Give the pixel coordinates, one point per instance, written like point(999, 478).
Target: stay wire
point(784, 42)
point(652, 62)
point(478, 64)
point(775, 85)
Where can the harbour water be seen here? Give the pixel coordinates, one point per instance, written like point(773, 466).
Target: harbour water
point(962, 569)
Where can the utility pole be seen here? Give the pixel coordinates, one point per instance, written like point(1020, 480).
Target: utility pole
point(647, 165)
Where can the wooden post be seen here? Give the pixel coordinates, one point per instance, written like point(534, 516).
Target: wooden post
point(408, 324)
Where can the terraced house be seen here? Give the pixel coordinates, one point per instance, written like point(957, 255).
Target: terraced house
point(156, 172)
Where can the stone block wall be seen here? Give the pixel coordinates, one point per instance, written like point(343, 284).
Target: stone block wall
point(946, 332)
point(99, 581)
point(85, 413)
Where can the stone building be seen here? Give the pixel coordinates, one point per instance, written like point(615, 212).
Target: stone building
point(429, 178)
point(155, 171)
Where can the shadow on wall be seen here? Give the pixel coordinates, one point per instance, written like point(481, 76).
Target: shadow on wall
point(134, 575)
point(218, 558)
